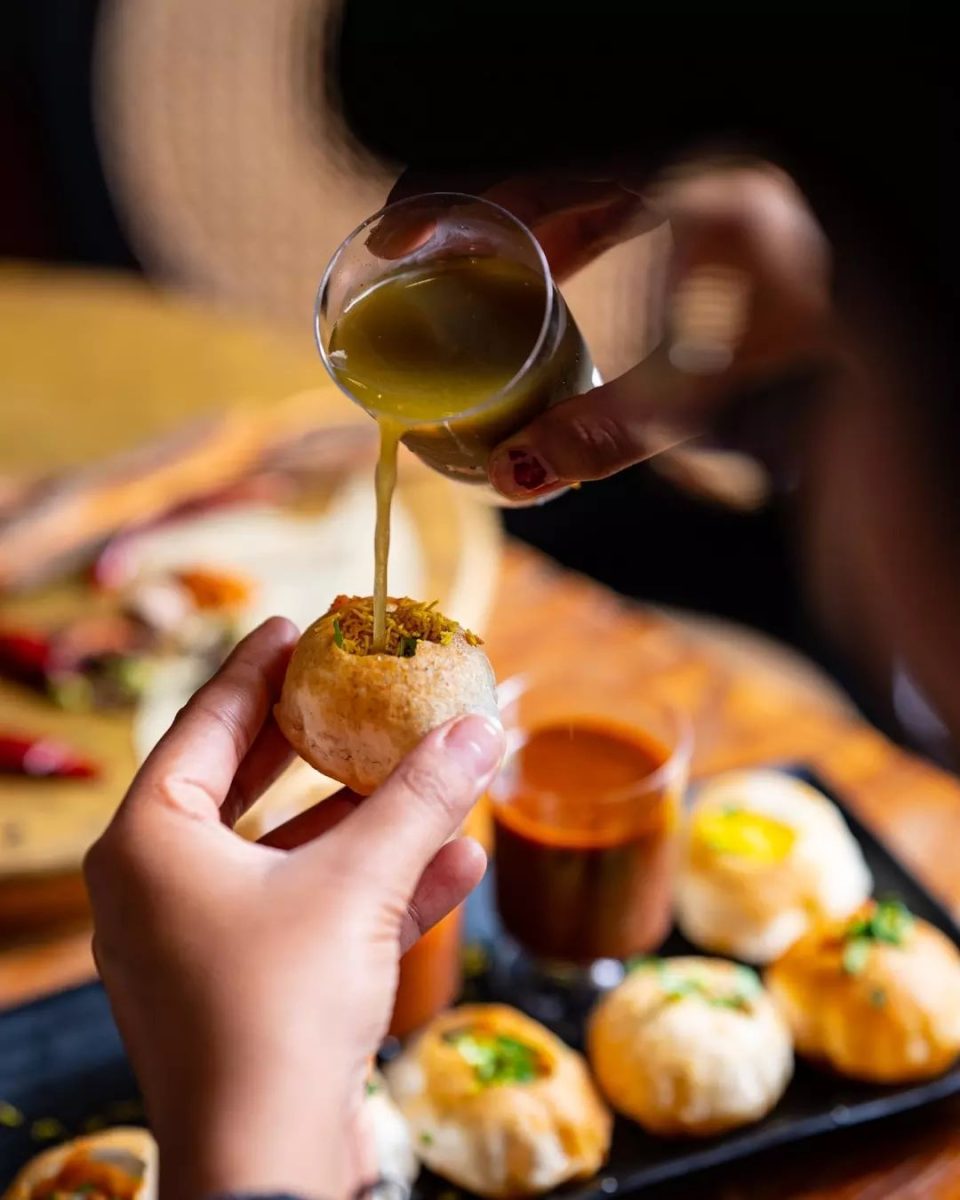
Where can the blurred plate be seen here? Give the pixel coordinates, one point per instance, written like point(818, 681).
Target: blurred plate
point(92, 366)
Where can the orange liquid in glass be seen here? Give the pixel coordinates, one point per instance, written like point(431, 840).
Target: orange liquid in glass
point(430, 976)
point(584, 843)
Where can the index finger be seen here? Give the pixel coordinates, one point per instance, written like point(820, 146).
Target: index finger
point(194, 763)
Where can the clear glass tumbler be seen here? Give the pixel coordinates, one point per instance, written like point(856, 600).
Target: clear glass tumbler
point(586, 813)
point(439, 314)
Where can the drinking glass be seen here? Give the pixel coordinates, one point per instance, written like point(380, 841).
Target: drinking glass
point(586, 812)
point(469, 241)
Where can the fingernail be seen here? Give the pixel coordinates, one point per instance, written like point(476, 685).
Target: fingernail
point(477, 741)
point(520, 471)
point(397, 235)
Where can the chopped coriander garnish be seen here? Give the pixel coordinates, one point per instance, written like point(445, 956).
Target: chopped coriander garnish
point(46, 1128)
point(744, 990)
point(855, 955)
point(426, 1138)
point(641, 960)
point(71, 692)
point(892, 922)
point(889, 922)
point(407, 646)
point(748, 981)
point(406, 619)
point(496, 1058)
point(475, 960)
point(130, 673)
point(878, 997)
point(372, 1087)
point(10, 1116)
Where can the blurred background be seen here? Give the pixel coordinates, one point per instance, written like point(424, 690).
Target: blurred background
point(177, 174)
point(191, 144)
point(175, 464)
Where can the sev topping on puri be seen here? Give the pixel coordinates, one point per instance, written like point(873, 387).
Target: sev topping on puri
point(408, 622)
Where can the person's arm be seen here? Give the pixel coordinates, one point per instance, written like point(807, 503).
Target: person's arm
point(252, 983)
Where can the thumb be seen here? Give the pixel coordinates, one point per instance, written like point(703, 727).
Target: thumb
point(395, 833)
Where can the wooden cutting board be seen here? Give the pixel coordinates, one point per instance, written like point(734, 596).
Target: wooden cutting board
point(92, 366)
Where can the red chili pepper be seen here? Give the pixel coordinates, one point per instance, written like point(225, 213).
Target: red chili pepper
point(42, 756)
point(25, 655)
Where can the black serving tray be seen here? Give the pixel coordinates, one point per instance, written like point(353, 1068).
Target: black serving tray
point(61, 1059)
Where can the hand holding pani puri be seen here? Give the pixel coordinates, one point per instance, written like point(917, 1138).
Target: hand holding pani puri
point(354, 714)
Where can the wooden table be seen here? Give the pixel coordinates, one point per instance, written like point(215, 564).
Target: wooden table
point(743, 712)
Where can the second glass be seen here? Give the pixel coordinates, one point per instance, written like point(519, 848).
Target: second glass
point(586, 811)
point(439, 315)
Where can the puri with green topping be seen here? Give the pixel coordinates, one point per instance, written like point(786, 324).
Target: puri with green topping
point(353, 714)
point(690, 1046)
point(498, 1104)
point(875, 996)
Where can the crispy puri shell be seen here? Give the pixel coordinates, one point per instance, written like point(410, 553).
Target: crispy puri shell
point(355, 717)
point(895, 1021)
point(680, 1066)
point(729, 904)
point(122, 1140)
point(502, 1140)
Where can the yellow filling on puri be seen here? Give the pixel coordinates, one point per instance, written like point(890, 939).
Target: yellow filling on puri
point(747, 834)
point(408, 622)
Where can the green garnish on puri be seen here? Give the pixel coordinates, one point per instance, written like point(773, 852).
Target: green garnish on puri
point(855, 955)
point(408, 623)
point(496, 1058)
point(10, 1116)
point(744, 987)
point(641, 960)
point(407, 647)
point(46, 1129)
point(890, 923)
